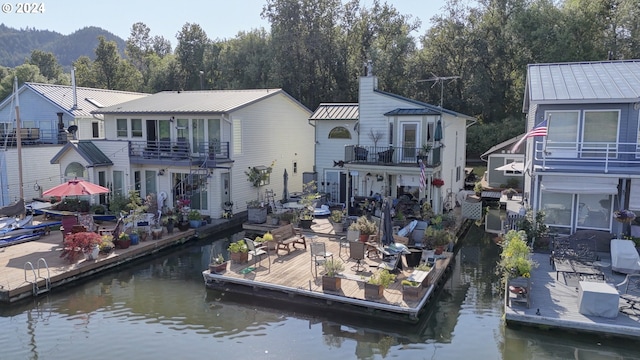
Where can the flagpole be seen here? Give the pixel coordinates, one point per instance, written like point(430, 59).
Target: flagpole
point(18, 136)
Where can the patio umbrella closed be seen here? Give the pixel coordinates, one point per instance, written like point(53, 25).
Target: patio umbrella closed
point(437, 136)
point(76, 187)
point(285, 191)
point(387, 225)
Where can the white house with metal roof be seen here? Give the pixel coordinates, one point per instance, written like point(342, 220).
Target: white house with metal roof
point(588, 164)
point(375, 147)
point(197, 145)
point(46, 113)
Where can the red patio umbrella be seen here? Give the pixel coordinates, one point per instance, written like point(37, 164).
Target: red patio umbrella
point(76, 187)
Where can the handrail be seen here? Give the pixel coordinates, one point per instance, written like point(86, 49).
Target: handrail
point(598, 154)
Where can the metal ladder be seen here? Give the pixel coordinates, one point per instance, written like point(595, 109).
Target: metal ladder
point(36, 277)
point(270, 197)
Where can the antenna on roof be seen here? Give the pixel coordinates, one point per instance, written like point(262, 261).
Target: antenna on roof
point(441, 80)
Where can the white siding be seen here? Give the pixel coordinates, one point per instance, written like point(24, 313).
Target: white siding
point(330, 150)
point(36, 170)
point(273, 129)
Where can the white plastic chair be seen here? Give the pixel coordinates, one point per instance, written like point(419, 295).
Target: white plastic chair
point(257, 251)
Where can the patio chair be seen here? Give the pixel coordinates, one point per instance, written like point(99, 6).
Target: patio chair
point(319, 255)
point(113, 231)
point(630, 293)
point(86, 220)
point(356, 252)
point(67, 223)
point(360, 153)
point(257, 251)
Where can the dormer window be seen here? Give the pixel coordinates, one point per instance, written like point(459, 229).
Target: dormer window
point(339, 132)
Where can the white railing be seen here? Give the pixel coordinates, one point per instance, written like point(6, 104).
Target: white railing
point(596, 155)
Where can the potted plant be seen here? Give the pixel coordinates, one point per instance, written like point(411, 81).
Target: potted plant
point(477, 189)
point(437, 182)
point(337, 218)
point(156, 232)
point(87, 243)
point(124, 241)
point(169, 220)
point(423, 154)
point(267, 239)
point(106, 244)
point(366, 228)
point(329, 280)
point(515, 258)
point(308, 199)
point(411, 290)
point(438, 238)
point(510, 192)
point(195, 218)
point(288, 217)
point(218, 264)
point(374, 288)
point(142, 233)
point(256, 212)
point(239, 251)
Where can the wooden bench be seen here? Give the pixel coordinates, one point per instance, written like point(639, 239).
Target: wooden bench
point(287, 236)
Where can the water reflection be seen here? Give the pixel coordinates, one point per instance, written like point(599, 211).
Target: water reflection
point(159, 307)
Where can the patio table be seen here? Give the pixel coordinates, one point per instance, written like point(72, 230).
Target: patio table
point(598, 298)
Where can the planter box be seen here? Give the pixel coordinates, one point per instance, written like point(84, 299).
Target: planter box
point(218, 268)
point(331, 283)
point(411, 292)
point(257, 215)
point(240, 258)
point(372, 291)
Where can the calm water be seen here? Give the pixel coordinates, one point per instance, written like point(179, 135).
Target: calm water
point(160, 309)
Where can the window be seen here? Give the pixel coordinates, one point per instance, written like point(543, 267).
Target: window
point(562, 133)
point(213, 127)
point(514, 171)
point(237, 136)
point(74, 170)
point(295, 167)
point(600, 133)
point(95, 129)
point(594, 211)
point(118, 183)
point(557, 208)
point(197, 128)
point(121, 128)
point(136, 127)
point(339, 132)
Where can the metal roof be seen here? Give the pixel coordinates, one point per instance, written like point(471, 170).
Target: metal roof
point(204, 101)
point(87, 98)
point(423, 111)
point(335, 111)
point(601, 81)
point(88, 150)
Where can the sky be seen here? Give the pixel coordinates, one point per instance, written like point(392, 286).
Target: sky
point(218, 18)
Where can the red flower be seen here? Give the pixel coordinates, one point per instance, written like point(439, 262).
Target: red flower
point(437, 182)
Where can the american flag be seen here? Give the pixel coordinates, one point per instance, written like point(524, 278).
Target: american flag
point(423, 176)
point(538, 130)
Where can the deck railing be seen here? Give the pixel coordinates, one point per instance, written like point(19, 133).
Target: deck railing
point(600, 156)
point(391, 155)
point(179, 150)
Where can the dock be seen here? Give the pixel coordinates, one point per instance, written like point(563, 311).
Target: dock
point(291, 277)
point(35, 267)
point(554, 304)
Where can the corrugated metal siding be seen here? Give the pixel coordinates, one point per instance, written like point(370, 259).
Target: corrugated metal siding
point(604, 81)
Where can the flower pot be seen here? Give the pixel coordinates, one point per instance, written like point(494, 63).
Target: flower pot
point(135, 239)
point(331, 283)
point(439, 249)
point(156, 233)
point(170, 226)
point(305, 223)
point(257, 215)
point(93, 254)
point(218, 268)
point(240, 257)
point(195, 223)
point(372, 291)
point(338, 227)
point(183, 226)
point(363, 237)
point(123, 244)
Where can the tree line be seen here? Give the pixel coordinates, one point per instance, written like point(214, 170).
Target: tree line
point(316, 51)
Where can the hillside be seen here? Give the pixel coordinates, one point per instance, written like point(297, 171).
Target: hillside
point(17, 44)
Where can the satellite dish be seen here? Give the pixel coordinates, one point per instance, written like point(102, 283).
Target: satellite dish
point(72, 129)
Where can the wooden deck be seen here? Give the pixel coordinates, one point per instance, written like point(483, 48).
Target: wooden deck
point(293, 274)
point(554, 304)
point(17, 283)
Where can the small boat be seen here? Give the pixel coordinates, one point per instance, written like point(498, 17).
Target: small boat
point(17, 224)
point(6, 222)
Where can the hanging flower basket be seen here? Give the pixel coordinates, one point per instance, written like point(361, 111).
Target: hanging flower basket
point(624, 216)
point(437, 182)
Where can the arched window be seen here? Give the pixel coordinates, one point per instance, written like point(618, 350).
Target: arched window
point(74, 170)
point(339, 132)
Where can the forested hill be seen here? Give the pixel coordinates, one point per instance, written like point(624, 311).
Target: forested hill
point(16, 44)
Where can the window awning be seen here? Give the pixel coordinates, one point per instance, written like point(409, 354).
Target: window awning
point(634, 195)
point(579, 185)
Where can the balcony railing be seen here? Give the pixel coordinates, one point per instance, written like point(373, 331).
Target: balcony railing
point(391, 155)
point(163, 150)
point(599, 156)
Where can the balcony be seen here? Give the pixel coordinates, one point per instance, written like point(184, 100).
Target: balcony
point(180, 153)
point(391, 156)
point(595, 157)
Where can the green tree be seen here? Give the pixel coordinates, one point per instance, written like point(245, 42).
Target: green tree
point(106, 63)
point(46, 63)
point(192, 42)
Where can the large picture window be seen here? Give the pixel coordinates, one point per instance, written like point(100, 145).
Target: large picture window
point(600, 133)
